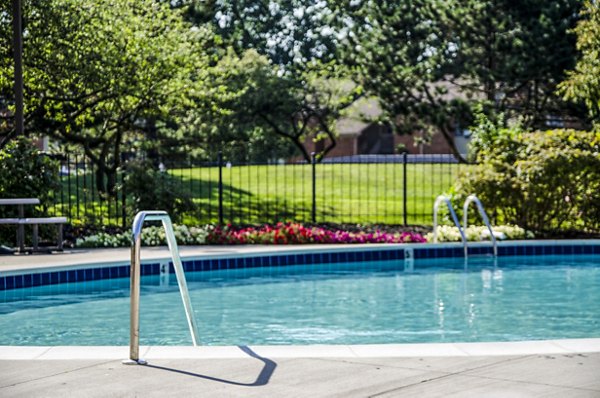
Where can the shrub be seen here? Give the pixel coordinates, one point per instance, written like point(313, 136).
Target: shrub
point(543, 181)
point(153, 189)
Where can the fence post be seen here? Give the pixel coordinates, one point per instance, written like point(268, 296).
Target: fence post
point(77, 184)
point(123, 198)
point(220, 161)
point(404, 161)
point(69, 186)
point(313, 157)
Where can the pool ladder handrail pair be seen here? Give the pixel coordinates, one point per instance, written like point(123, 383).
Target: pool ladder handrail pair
point(461, 229)
point(134, 332)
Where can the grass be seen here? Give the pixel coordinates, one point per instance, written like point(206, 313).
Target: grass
point(345, 193)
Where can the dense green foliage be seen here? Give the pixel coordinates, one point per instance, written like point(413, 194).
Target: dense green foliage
point(268, 92)
point(402, 55)
point(246, 94)
point(583, 83)
point(26, 174)
point(99, 74)
point(283, 81)
point(153, 189)
point(264, 104)
point(514, 53)
point(289, 33)
point(261, 114)
point(543, 181)
point(430, 61)
point(197, 75)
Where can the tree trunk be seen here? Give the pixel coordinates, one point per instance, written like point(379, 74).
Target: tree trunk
point(452, 143)
point(106, 176)
point(100, 182)
point(111, 174)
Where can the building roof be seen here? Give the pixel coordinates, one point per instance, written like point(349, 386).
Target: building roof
point(360, 115)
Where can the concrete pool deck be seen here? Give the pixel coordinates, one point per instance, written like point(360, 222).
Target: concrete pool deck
point(297, 372)
point(555, 368)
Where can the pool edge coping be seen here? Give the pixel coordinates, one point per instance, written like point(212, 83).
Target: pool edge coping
point(518, 348)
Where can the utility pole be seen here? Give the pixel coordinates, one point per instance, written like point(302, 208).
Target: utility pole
point(18, 57)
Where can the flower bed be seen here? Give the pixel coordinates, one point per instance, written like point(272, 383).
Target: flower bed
point(281, 233)
point(447, 233)
point(151, 236)
point(292, 233)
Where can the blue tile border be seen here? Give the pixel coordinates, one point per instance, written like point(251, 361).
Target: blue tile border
point(281, 260)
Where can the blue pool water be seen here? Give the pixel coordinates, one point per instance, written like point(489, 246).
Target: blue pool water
point(518, 298)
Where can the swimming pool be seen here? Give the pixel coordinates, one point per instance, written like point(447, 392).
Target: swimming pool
point(358, 302)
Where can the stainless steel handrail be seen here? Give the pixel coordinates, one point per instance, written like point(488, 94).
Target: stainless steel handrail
point(474, 199)
point(436, 206)
point(134, 332)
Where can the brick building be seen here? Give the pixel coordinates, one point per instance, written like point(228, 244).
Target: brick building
point(359, 137)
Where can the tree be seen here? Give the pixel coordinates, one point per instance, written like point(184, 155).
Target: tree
point(403, 53)
point(255, 102)
point(430, 61)
point(292, 88)
point(287, 32)
point(95, 70)
point(583, 83)
point(514, 53)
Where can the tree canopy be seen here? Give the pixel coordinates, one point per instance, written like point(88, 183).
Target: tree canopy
point(583, 82)
point(289, 81)
point(290, 33)
point(96, 69)
point(201, 75)
point(430, 61)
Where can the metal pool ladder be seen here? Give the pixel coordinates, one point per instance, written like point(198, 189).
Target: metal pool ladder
point(474, 199)
point(461, 229)
point(436, 206)
point(134, 332)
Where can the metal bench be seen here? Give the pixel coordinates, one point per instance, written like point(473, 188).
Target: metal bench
point(21, 221)
point(35, 222)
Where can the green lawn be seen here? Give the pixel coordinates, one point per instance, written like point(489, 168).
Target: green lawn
point(346, 193)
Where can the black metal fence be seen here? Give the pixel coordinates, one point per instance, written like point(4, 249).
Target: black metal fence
point(80, 199)
point(362, 189)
